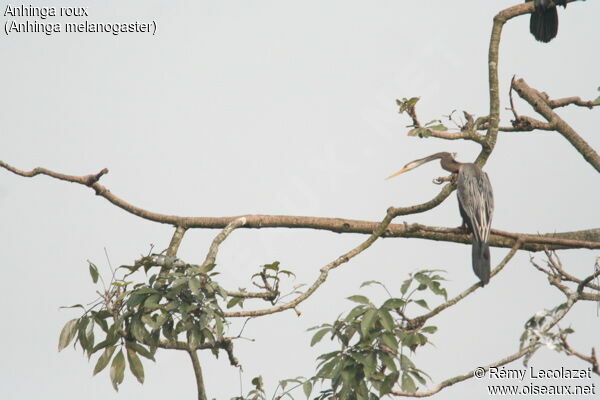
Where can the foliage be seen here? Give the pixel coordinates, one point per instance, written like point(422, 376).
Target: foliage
point(375, 343)
point(270, 278)
point(178, 299)
point(408, 106)
point(538, 332)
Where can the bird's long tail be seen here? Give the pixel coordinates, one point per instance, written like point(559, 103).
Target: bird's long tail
point(543, 24)
point(481, 261)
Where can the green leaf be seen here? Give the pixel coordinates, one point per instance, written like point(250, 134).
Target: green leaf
point(206, 268)
point(405, 285)
point(135, 365)
point(386, 319)
point(420, 132)
point(318, 336)
point(195, 286)
point(179, 282)
point(93, 271)
point(406, 363)
point(388, 383)
point(194, 338)
point(104, 359)
point(368, 321)
point(368, 283)
point(422, 303)
point(152, 301)
point(355, 312)
point(439, 127)
point(141, 350)
point(138, 330)
point(392, 304)
point(67, 334)
point(136, 299)
point(258, 383)
point(370, 364)
point(74, 306)
point(388, 361)
point(359, 299)
point(408, 384)
point(327, 369)
point(117, 370)
point(390, 341)
point(429, 329)
point(274, 266)
point(307, 388)
point(234, 301)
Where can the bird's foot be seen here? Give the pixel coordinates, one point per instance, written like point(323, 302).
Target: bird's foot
point(442, 179)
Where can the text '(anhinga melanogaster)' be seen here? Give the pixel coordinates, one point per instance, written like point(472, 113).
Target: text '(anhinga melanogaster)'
point(543, 24)
point(476, 204)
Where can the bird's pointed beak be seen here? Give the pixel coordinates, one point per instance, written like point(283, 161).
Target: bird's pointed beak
point(403, 170)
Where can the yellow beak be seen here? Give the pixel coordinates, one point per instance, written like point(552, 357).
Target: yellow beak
point(403, 170)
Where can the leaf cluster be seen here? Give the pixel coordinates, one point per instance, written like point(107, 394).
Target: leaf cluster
point(537, 333)
point(178, 299)
point(375, 343)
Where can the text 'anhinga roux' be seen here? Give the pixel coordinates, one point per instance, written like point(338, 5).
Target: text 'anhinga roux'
point(475, 202)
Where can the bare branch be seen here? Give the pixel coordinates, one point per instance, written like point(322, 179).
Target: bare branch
point(420, 320)
point(589, 238)
point(572, 100)
point(593, 360)
point(493, 59)
point(513, 357)
point(214, 247)
point(176, 241)
point(323, 275)
point(198, 374)
point(543, 106)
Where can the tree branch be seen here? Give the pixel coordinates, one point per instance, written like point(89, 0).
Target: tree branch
point(198, 374)
point(493, 59)
point(544, 107)
point(176, 241)
point(420, 320)
point(593, 360)
point(513, 357)
point(589, 238)
point(214, 247)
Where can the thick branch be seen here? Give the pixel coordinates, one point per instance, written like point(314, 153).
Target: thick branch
point(176, 241)
point(545, 108)
point(198, 374)
point(587, 238)
point(493, 58)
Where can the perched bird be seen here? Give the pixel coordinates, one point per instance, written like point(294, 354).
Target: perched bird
point(543, 24)
point(475, 202)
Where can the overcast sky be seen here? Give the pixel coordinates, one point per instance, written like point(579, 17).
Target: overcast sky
point(280, 107)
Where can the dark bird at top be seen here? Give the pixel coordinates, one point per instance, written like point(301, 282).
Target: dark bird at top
point(543, 24)
point(475, 202)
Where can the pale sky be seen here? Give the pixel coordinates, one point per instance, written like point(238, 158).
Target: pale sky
point(280, 107)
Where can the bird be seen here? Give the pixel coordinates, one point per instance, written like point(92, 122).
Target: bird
point(475, 203)
point(543, 24)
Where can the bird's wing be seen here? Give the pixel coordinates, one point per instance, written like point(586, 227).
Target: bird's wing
point(476, 198)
